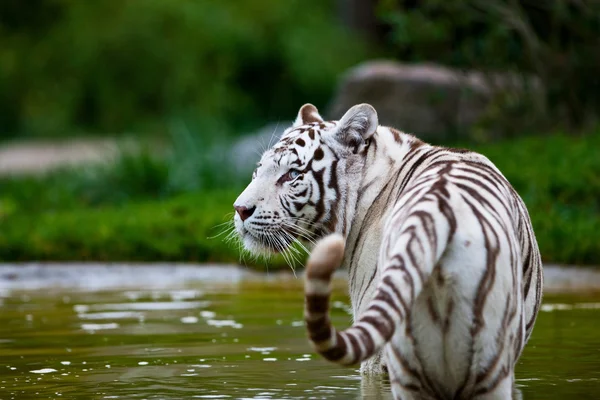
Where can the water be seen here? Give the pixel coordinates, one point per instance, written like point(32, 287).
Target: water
point(234, 337)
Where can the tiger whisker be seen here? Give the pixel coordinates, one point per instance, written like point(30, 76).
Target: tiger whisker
point(273, 134)
point(301, 232)
point(278, 244)
point(300, 235)
point(227, 231)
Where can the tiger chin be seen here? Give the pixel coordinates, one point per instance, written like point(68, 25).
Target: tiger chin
point(444, 272)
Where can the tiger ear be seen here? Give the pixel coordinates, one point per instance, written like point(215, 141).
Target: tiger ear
point(357, 125)
point(307, 114)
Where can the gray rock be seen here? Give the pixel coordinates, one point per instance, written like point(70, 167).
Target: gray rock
point(247, 150)
point(428, 100)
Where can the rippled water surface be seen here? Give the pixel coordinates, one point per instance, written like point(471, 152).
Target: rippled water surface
point(152, 338)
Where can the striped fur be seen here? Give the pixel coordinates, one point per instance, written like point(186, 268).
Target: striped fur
point(445, 275)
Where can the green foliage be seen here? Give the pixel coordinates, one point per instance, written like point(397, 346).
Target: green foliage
point(53, 218)
point(190, 227)
point(555, 40)
point(559, 180)
point(191, 164)
point(111, 66)
point(141, 231)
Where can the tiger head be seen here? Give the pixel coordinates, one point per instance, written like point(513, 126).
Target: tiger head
point(299, 191)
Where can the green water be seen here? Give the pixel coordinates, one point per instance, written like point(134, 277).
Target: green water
point(242, 340)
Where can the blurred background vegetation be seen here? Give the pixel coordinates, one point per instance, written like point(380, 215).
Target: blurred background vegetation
point(115, 66)
point(186, 78)
point(557, 41)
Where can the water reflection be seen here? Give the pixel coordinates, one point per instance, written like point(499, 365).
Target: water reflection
point(232, 340)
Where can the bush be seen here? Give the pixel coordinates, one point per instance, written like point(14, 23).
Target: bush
point(111, 66)
point(189, 228)
point(555, 40)
point(192, 163)
point(558, 177)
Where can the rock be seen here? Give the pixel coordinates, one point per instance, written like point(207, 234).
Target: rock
point(428, 100)
point(247, 150)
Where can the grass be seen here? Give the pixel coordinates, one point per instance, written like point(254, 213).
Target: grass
point(132, 211)
point(558, 177)
point(187, 228)
point(148, 230)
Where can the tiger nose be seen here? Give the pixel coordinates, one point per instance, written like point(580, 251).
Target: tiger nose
point(244, 212)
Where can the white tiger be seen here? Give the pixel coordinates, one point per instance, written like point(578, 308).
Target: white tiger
point(444, 270)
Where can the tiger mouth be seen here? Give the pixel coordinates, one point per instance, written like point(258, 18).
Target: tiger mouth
point(271, 242)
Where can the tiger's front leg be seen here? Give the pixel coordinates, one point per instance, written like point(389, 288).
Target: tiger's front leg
point(375, 366)
point(504, 390)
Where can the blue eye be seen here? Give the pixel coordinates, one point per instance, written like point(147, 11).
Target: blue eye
point(289, 176)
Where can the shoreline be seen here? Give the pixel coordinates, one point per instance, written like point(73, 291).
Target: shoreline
point(101, 276)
